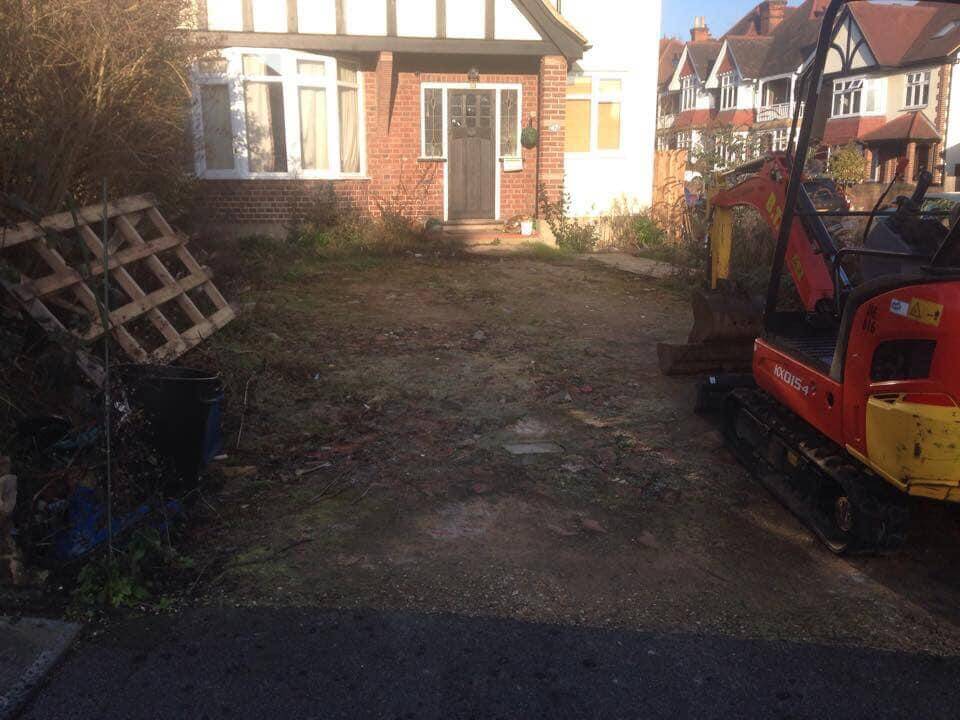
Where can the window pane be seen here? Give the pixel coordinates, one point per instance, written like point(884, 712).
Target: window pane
point(608, 87)
point(509, 118)
point(433, 122)
point(578, 126)
point(608, 126)
point(266, 132)
point(311, 67)
point(217, 136)
point(579, 85)
point(349, 130)
point(347, 73)
point(313, 128)
point(269, 65)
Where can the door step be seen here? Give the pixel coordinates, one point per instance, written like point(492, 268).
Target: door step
point(484, 233)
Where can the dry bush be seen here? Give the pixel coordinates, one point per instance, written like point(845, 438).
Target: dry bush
point(93, 89)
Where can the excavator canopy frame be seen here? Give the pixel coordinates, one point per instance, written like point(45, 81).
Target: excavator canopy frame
point(799, 146)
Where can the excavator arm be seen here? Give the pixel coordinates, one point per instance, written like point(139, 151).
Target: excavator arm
point(806, 259)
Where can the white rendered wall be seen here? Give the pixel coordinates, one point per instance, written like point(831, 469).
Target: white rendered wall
point(626, 40)
point(466, 19)
point(510, 23)
point(951, 145)
point(317, 16)
point(417, 18)
point(365, 17)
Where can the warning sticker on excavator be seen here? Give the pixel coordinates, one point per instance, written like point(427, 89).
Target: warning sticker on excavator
point(923, 311)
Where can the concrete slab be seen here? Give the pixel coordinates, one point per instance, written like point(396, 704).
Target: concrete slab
point(538, 448)
point(29, 649)
point(635, 265)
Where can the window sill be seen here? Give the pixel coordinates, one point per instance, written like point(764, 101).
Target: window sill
point(431, 159)
point(280, 176)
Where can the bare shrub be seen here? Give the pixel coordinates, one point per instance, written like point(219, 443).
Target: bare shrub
point(93, 89)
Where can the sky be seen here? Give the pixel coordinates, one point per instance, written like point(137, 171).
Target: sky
point(678, 15)
point(721, 14)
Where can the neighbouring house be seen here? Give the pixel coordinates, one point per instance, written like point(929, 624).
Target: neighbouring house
point(411, 105)
point(610, 104)
point(891, 76)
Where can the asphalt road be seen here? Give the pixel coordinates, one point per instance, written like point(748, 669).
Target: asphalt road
point(291, 663)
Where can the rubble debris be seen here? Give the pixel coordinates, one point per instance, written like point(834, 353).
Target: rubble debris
point(162, 302)
point(9, 552)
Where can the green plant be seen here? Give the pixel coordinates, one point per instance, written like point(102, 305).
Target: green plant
point(847, 165)
point(646, 233)
point(578, 235)
point(129, 578)
point(529, 137)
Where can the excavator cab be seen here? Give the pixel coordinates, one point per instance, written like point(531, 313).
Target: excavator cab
point(853, 403)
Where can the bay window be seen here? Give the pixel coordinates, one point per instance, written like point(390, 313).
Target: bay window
point(278, 113)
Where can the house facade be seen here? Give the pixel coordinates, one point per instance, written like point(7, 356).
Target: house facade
point(889, 91)
point(409, 105)
point(610, 104)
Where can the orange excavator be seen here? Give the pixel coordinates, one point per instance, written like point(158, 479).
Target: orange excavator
point(854, 401)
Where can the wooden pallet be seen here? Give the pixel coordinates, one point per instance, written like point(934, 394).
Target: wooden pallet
point(162, 301)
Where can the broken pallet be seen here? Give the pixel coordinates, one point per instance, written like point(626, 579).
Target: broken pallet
point(162, 302)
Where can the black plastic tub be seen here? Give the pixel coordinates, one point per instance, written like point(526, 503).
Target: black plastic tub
point(183, 409)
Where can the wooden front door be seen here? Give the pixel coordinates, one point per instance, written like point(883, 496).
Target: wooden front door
point(473, 155)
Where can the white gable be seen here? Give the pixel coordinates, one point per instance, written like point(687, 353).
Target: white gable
point(849, 50)
point(511, 24)
point(225, 14)
point(466, 19)
point(365, 17)
point(269, 16)
point(417, 18)
point(317, 16)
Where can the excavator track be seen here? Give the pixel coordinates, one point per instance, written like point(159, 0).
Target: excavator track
point(849, 508)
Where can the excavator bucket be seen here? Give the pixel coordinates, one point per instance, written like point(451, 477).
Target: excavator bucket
point(725, 320)
point(722, 316)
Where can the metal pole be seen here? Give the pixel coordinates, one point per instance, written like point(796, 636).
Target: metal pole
point(800, 157)
point(106, 369)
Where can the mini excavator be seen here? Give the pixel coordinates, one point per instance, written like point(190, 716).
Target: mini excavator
point(854, 400)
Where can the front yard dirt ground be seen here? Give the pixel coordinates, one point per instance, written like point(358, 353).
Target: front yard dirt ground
point(490, 436)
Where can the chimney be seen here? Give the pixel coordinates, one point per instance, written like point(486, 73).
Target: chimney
point(699, 31)
point(772, 13)
point(818, 8)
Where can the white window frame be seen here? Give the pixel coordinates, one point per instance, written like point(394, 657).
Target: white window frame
point(728, 91)
point(780, 139)
point(597, 99)
point(917, 84)
point(684, 140)
point(291, 82)
point(688, 93)
point(869, 89)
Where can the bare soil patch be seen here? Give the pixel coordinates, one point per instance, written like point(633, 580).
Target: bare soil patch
point(386, 402)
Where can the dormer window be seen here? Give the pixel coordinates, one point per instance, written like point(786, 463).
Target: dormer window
point(728, 91)
point(918, 89)
point(947, 29)
point(688, 93)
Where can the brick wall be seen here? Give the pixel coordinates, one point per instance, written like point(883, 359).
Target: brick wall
point(553, 81)
point(397, 178)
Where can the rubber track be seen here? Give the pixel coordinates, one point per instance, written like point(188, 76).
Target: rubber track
point(882, 511)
